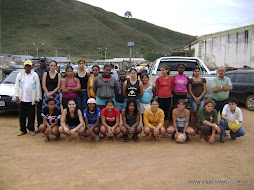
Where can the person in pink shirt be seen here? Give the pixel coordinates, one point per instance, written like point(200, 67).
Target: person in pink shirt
point(180, 87)
point(110, 121)
point(164, 85)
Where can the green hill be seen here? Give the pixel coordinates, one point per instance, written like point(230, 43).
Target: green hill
point(78, 28)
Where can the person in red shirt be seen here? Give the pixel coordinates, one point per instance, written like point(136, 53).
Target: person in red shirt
point(164, 85)
point(110, 120)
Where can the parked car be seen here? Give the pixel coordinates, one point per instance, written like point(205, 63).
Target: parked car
point(243, 86)
point(7, 93)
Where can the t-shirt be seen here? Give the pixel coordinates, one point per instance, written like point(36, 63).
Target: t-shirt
point(51, 118)
point(110, 118)
point(197, 87)
point(92, 117)
point(237, 115)
point(203, 115)
point(181, 82)
point(165, 86)
point(220, 96)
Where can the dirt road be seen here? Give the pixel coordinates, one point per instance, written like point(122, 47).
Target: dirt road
point(27, 162)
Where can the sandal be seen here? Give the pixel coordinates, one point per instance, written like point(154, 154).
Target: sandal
point(148, 138)
point(105, 139)
point(115, 139)
point(46, 139)
point(125, 138)
point(202, 140)
point(136, 138)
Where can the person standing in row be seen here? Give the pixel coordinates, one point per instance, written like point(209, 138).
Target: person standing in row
point(28, 94)
point(83, 77)
point(181, 83)
point(132, 88)
point(164, 88)
point(221, 85)
point(197, 90)
point(119, 91)
point(40, 70)
point(104, 87)
point(51, 83)
point(95, 71)
point(70, 86)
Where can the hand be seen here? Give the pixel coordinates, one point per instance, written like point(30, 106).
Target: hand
point(48, 95)
point(17, 100)
point(48, 130)
point(110, 130)
point(218, 129)
point(72, 131)
point(232, 120)
point(211, 140)
point(67, 131)
point(131, 130)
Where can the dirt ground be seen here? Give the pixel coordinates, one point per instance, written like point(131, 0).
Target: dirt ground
point(26, 162)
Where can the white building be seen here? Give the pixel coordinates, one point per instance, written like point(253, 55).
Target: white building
point(231, 48)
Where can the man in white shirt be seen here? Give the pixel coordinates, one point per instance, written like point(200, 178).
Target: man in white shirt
point(231, 113)
point(28, 93)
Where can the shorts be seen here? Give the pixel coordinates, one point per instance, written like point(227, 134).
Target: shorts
point(194, 106)
point(122, 127)
point(143, 107)
point(100, 101)
point(119, 106)
point(137, 100)
point(180, 129)
point(177, 97)
point(71, 127)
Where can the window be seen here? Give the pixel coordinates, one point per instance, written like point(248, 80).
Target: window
point(231, 76)
point(242, 77)
point(172, 65)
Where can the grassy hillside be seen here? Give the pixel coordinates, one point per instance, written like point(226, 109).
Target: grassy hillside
point(78, 28)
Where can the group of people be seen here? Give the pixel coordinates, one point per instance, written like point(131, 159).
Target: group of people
point(94, 104)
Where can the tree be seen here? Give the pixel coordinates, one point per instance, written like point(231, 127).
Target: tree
point(128, 14)
point(152, 56)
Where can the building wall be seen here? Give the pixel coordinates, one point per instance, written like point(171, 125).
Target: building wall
point(234, 48)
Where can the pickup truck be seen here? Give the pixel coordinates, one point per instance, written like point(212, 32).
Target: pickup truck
point(189, 62)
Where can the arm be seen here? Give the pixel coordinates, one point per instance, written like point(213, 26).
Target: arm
point(124, 88)
point(140, 89)
point(77, 87)
point(161, 120)
point(223, 116)
point(63, 118)
point(154, 91)
point(88, 88)
point(174, 119)
point(46, 122)
point(63, 86)
point(38, 89)
point(44, 83)
point(95, 85)
point(187, 120)
point(226, 88)
point(146, 120)
point(117, 122)
point(204, 92)
point(124, 119)
point(137, 119)
point(81, 120)
point(190, 91)
point(103, 122)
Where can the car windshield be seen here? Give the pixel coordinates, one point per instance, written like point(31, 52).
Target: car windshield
point(11, 79)
point(172, 65)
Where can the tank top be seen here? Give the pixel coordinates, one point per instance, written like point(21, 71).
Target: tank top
point(181, 82)
point(92, 94)
point(133, 89)
point(131, 119)
point(180, 121)
point(72, 121)
point(51, 84)
point(72, 95)
point(147, 95)
point(83, 80)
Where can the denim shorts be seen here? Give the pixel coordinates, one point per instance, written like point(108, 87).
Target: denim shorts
point(100, 101)
point(194, 106)
point(119, 106)
point(71, 127)
point(122, 127)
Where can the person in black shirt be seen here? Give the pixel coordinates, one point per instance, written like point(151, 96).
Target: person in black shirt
point(51, 117)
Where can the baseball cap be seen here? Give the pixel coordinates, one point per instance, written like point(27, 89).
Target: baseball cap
point(28, 62)
point(91, 101)
point(42, 58)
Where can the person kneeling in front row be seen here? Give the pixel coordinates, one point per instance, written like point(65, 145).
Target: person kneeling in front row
point(51, 118)
point(72, 121)
point(232, 113)
point(154, 121)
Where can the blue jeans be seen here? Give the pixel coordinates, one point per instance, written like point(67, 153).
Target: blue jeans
point(194, 106)
point(82, 100)
point(224, 124)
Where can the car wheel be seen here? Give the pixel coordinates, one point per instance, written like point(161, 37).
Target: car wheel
point(250, 102)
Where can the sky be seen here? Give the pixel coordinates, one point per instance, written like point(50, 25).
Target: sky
point(193, 17)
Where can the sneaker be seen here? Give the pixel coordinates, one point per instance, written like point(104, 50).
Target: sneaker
point(233, 138)
point(222, 141)
point(21, 133)
point(32, 133)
